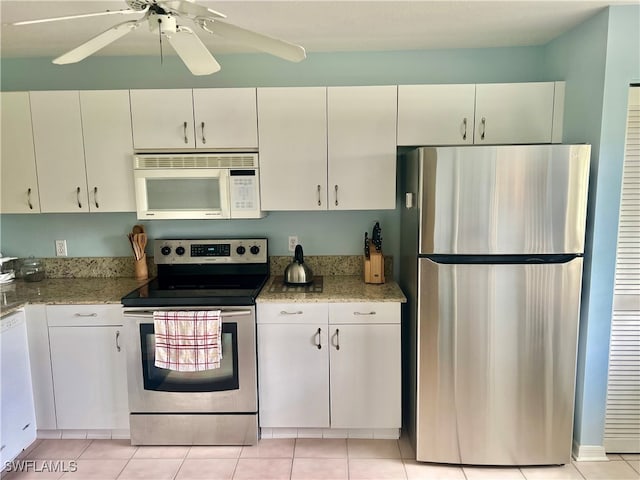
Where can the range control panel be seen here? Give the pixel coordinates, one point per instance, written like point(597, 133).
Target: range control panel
point(237, 250)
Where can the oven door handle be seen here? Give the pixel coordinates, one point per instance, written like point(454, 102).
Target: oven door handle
point(149, 314)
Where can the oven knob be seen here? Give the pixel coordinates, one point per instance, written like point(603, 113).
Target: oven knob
point(165, 250)
point(255, 249)
point(180, 250)
point(240, 250)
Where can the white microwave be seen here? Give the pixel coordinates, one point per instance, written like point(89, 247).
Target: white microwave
point(197, 186)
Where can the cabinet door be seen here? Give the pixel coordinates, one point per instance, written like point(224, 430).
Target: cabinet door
point(89, 377)
point(108, 148)
point(17, 422)
point(514, 113)
point(162, 118)
point(293, 375)
point(292, 132)
point(225, 118)
point(18, 162)
point(435, 114)
point(362, 147)
point(57, 136)
point(365, 376)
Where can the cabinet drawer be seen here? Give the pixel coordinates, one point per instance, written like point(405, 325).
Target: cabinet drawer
point(364, 312)
point(83, 315)
point(292, 313)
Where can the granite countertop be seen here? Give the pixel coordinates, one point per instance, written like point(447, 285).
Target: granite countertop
point(54, 291)
point(337, 288)
point(78, 291)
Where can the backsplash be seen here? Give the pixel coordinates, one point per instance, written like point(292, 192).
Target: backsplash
point(105, 267)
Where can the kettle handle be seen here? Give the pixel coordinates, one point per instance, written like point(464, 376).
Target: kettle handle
point(298, 256)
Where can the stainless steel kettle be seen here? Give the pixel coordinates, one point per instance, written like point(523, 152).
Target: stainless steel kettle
point(297, 273)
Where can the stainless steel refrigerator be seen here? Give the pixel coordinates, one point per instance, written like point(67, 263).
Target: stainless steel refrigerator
point(491, 263)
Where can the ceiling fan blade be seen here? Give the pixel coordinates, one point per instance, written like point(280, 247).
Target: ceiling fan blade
point(96, 43)
point(189, 8)
point(72, 17)
point(193, 52)
point(259, 41)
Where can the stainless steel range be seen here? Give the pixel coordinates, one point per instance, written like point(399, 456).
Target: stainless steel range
point(210, 407)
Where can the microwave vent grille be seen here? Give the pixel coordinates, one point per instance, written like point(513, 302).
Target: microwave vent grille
point(196, 161)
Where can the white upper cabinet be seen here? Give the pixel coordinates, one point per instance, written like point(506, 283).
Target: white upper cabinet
point(162, 118)
point(108, 148)
point(327, 148)
point(436, 114)
point(292, 130)
point(83, 151)
point(225, 118)
point(514, 113)
point(362, 147)
point(19, 181)
point(206, 119)
point(57, 136)
point(499, 113)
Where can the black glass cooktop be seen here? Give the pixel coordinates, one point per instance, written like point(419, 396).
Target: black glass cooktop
point(197, 291)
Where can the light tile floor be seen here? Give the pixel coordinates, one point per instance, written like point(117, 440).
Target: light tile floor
point(274, 459)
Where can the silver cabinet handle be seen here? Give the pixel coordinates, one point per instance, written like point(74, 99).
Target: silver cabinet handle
point(364, 313)
point(78, 197)
point(85, 314)
point(336, 189)
point(337, 335)
point(483, 125)
point(319, 198)
point(464, 128)
point(118, 340)
point(186, 140)
point(284, 312)
point(319, 345)
point(95, 196)
point(204, 140)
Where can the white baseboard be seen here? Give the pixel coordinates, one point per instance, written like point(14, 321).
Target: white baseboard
point(589, 453)
point(377, 433)
point(83, 434)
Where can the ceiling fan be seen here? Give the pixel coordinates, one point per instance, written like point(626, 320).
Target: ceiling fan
point(166, 18)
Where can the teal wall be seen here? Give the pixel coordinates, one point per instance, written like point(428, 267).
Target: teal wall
point(319, 232)
point(599, 60)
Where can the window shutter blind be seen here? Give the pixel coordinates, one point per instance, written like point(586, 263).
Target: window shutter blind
point(622, 425)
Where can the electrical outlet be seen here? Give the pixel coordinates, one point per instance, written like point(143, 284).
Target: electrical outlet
point(293, 241)
point(61, 248)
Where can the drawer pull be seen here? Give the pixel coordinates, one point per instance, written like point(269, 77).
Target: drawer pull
point(26, 426)
point(319, 345)
point(118, 340)
point(85, 314)
point(364, 313)
point(337, 335)
point(284, 312)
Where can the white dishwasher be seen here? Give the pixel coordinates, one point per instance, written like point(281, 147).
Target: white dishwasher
point(17, 422)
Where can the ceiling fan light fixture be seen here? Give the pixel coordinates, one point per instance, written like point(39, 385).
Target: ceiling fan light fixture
point(164, 22)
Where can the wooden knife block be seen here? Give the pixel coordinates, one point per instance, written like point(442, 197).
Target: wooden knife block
point(374, 266)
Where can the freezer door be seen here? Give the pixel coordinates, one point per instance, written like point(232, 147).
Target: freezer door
point(496, 362)
point(503, 199)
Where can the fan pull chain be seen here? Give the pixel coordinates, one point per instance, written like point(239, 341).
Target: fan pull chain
point(160, 35)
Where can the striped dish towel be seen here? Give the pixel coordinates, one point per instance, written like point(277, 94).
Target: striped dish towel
point(188, 341)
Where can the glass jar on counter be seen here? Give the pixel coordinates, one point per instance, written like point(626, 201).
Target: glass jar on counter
point(32, 270)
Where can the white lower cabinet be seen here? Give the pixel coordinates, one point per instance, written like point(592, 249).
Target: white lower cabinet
point(17, 422)
point(88, 367)
point(329, 365)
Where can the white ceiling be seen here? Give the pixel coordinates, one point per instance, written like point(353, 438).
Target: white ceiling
point(319, 26)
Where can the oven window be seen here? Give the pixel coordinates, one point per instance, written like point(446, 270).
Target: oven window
point(183, 193)
point(163, 380)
